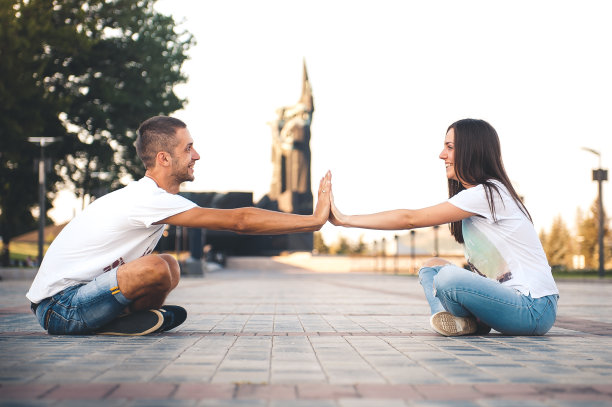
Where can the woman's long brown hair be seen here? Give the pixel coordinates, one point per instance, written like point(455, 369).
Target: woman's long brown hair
point(478, 160)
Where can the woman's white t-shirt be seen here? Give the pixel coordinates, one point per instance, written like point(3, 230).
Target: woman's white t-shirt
point(507, 248)
point(115, 229)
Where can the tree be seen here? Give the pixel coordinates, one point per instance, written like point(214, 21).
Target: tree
point(22, 107)
point(360, 247)
point(342, 246)
point(558, 244)
point(319, 244)
point(87, 72)
point(588, 232)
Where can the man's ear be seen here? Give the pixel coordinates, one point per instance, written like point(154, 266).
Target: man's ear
point(162, 159)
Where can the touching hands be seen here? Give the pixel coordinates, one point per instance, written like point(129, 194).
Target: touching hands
point(326, 209)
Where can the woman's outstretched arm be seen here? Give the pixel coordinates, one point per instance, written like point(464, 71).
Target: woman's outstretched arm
point(398, 219)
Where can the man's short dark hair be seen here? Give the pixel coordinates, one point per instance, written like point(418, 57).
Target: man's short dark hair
point(154, 135)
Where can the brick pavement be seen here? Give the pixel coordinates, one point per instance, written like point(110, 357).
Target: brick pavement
point(294, 338)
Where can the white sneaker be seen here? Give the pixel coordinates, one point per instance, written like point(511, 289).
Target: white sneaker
point(447, 324)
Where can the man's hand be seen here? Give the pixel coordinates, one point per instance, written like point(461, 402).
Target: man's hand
point(322, 208)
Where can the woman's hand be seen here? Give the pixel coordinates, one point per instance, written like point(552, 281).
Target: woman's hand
point(336, 217)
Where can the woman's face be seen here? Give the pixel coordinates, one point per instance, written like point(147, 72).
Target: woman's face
point(448, 154)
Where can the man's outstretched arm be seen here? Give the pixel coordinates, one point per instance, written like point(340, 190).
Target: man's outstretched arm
point(258, 221)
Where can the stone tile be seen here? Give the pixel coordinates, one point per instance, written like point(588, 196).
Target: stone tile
point(140, 391)
point(325, 391)
point(274, 391)
point(27, 391)
point(89, 391)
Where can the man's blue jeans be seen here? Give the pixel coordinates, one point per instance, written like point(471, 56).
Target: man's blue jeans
point(463, 294)
point(83, 308)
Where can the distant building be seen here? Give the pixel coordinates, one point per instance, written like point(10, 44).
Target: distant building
point(290, 192)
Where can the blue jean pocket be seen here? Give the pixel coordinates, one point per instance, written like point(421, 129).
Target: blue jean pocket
point(58, 325)
point(58, 316)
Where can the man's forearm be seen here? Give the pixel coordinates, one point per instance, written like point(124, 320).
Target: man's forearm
point(265, 222)
point(247, 220)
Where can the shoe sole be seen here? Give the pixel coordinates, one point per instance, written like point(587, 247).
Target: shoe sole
point(447, 324)
point(136, 324)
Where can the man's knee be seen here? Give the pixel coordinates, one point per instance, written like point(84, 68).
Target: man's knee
point(169, 259)
point(152, 270)
point(161, 271)
point(174, 269)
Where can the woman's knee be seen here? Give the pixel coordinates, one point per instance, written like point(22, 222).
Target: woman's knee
point(435, 261)
point(431, 267)
point(452, 277)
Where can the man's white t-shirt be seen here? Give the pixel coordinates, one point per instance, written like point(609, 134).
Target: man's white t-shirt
point(506, 249)
point(115, 229)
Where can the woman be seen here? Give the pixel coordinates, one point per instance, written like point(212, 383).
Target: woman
point(510, 287)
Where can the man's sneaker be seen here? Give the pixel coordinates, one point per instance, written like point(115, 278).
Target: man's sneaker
point(173, 316)
point(134, 324)
point(447, 324)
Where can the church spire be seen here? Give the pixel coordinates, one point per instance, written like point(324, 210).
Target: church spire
point(306, 98)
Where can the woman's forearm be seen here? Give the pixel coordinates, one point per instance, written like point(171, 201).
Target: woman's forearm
point(400, 219)
point(388, 220)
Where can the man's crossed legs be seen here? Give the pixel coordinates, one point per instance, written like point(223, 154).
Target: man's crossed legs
point(127, 300)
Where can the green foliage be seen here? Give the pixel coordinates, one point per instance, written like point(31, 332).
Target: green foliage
point(581, 274)
point(22, 104)
point(87, 72)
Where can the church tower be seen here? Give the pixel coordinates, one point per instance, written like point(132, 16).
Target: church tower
point(291, 182)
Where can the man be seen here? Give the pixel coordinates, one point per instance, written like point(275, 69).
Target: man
point(100, 275)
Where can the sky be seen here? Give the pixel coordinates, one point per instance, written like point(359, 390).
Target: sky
point(388, 78)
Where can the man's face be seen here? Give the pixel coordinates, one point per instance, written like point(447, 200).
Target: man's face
point(184, 157)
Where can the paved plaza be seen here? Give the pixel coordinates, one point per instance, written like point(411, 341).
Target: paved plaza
point(291, 337)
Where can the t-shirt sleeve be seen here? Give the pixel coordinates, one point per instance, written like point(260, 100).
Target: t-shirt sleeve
point(473, 200)
point(160, 206)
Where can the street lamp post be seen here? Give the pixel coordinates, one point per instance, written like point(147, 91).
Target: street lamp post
point(436, 247)
point(396, 237)
point(383, 254)
point(412, 251)
point(42, 170)
point(600, 175)
point(375, 249)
